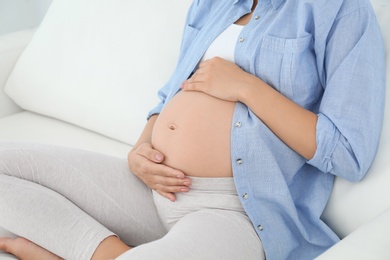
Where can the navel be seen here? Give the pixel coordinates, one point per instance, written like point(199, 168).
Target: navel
point(172, 126)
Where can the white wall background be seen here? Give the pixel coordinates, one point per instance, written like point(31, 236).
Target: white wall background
point(21, 14)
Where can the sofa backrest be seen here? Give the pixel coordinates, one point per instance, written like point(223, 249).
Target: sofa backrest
point(352, 204)
point(98, 65)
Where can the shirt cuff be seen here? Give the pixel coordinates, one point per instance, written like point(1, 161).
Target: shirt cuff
point(327, 137)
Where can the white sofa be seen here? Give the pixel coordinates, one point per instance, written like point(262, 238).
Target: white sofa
point(88, 75)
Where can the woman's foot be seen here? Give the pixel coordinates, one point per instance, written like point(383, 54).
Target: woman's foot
point(25, 249)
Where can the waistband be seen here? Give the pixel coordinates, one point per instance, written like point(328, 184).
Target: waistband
point(213, 184)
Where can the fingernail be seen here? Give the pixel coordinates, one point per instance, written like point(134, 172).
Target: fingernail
point(184, 189)
point(158, 157)
point(186, 183)
point(182, 85)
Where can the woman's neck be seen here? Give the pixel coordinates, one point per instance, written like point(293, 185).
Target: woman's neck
point(246, 18)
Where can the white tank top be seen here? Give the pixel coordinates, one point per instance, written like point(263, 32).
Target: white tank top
point(224, 45)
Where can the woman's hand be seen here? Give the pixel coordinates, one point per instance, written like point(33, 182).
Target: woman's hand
point(147, 164)
point(219, 78)
point(293, 124)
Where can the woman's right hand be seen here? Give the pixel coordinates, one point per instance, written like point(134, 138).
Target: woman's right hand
point(147, 164)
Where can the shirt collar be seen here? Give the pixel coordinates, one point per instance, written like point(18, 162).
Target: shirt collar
point(275, 3)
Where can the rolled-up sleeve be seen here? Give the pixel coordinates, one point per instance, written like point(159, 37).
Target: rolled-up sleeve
point(351, 112)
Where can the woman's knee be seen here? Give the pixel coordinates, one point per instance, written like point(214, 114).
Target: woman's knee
point(8, 157)
point(24, 160)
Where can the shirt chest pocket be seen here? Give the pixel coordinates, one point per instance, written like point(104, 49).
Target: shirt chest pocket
point(289, 65)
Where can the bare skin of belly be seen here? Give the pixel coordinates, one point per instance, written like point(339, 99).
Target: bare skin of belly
point(193, 132)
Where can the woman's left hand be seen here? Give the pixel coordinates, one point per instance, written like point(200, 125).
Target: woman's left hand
point(219, 78)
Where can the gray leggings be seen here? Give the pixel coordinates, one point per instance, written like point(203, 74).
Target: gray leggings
point(69, 200)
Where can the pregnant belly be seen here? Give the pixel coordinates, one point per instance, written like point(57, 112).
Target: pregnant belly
point(193, 132)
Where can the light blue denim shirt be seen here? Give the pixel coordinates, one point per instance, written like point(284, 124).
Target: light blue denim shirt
point(328, 57)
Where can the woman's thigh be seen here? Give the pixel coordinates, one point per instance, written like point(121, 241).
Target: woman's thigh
point(205, 234)
point(100, 185)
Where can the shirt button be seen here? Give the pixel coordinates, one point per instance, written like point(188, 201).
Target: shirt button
point(239, 161)
point(241, 39)
point(245, 195)
point(260, 227)
point(257, 17)
point(238, 124)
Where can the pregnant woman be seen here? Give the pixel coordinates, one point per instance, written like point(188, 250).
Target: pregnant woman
point(270, 100)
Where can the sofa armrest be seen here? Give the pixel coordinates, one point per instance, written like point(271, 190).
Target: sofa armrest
point(11, 46)
point(370, 241)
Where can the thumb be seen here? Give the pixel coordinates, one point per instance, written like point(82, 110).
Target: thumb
point(146, 150)
point(158, 157)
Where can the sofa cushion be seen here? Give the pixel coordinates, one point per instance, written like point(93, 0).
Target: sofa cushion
point(11, 46)
point(99, 65)
point(30, 127)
